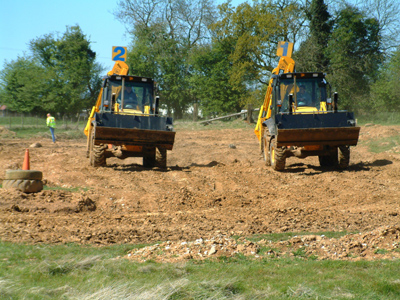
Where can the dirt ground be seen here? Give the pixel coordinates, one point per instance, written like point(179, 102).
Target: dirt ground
point(216, 186)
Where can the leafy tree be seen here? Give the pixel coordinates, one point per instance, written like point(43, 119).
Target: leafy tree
point(23, 85)
point(355, 54)
point(61, 76)
point(164, 32)
point(74, 80)
point(386, 90)
point(311, 55)
point(386, 12)
point(210, 81)
point(255, 31)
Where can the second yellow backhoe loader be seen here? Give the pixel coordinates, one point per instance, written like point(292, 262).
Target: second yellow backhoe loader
point(299, 118)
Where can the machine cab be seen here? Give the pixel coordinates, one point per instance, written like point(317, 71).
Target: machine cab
point(129, 95)
point(302, 92)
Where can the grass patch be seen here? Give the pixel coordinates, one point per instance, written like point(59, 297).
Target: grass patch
point(381, 118)
point(59, 188)
point(88, 272)
point(44, 132)
point(383, 144)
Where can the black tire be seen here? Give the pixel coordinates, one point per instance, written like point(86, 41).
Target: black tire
point(97, 153)
point(161, 158)
point(344, 157)
point(23, 174)
point(277, 156)
point(330, 160)
point(23, 185)
point(265, 148)
point(149, 158)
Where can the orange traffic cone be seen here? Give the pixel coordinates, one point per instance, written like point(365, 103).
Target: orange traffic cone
point(26, 165)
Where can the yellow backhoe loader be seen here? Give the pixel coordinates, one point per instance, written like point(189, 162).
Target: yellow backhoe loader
point(125, 121)
point(299, 118)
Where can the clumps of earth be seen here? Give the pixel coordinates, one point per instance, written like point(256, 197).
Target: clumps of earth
point(381, 243)
point(209, 193)
point(5, 133)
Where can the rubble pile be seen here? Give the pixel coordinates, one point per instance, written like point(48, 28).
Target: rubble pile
point(382, 243)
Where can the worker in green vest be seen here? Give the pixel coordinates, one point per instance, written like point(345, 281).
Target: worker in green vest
point(51, 123)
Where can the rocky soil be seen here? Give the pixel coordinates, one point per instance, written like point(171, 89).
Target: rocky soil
point(216, 186)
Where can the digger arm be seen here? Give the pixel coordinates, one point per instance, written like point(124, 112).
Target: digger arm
point(286, 65)
point(94, 110)
point(120, 68)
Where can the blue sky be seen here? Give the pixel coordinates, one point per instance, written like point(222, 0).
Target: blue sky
point(24, 20)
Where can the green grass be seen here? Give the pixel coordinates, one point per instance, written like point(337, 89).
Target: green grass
point(383, 144)
point(29, 127)
point(88, 272)
point(284, 236)
point(392, 118)
point(59, 188)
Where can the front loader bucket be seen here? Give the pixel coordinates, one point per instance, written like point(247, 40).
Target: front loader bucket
point(318, 136)
point(136, 137)
point(135, 130)
point(334, 129)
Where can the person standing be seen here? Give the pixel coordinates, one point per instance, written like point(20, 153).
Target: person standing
point(51, 123)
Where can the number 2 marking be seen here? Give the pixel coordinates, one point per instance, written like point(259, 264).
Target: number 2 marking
point(120, 52)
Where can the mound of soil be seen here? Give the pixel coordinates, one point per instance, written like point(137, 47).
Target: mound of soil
point(216, 186)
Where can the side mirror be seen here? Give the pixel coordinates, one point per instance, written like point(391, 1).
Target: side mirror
point(113, 97)
point(290, 104)
point(335, 101)
point(157, 104)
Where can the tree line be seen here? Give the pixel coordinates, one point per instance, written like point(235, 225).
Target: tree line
point(219, 57)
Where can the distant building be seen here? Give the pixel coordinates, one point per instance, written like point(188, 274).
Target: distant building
point(3, 110)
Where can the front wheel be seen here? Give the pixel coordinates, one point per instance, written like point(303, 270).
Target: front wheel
point(344, 157)
point(149, 158)
point(97, 153)
point(277, 156)
point(330, 160)
point(161, 158)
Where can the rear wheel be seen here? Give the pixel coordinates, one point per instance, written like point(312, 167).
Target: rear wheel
point(329, 160)
point(277, 156)
point(155, 158)
point(97, 153)
point(149, 158)
point(344, 157)
point(161, 157)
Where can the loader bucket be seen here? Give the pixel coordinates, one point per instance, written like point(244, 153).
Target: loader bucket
point(145, 130)
point(318, 136)
point(334, 129)
point(136, 137)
